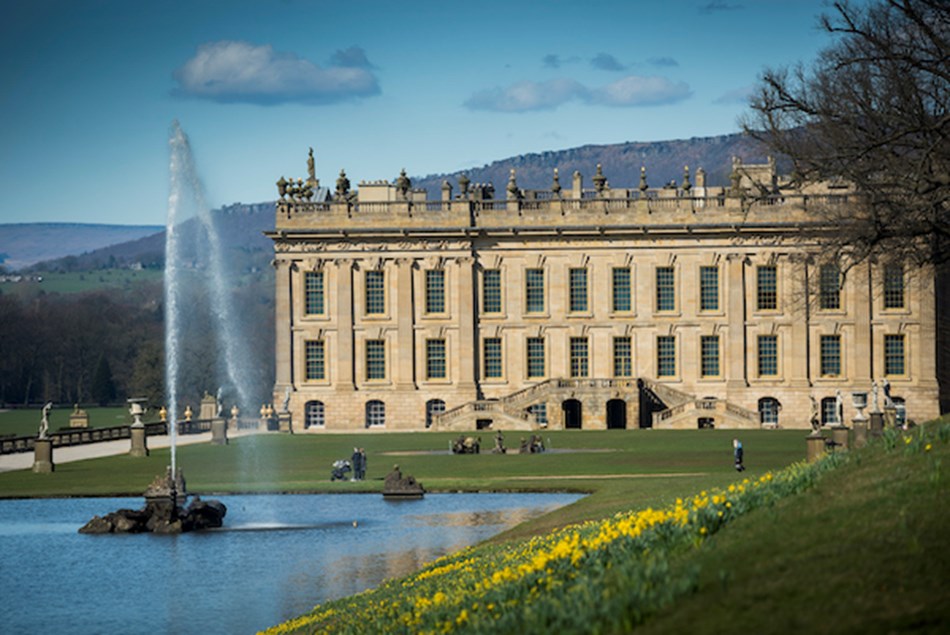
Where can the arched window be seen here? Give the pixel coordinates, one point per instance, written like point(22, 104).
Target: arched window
point(540, 413)
point(375, 414)
point(433, 407)
point(829, 412)
point(768, 411)
point(315, 415)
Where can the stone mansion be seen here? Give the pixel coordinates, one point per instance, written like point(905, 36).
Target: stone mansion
point(573, 307)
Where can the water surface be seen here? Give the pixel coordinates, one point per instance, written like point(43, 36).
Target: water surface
point(276, 557)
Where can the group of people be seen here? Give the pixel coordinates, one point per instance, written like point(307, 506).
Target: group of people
point(359, 464)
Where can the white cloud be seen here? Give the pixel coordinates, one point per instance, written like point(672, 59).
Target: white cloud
point(526, 96)
point(635, 90)
point(234, 71)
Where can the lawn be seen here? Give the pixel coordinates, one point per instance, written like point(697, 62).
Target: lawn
point(622, 469)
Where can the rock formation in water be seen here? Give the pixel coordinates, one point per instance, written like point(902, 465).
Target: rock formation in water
point(164, 512)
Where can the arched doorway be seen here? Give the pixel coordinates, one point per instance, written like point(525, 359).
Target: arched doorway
point(616, 414)
point(573, 412)
point(433, 407)
point(769, 408)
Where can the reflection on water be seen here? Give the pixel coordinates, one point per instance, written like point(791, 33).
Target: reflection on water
point(276, 557)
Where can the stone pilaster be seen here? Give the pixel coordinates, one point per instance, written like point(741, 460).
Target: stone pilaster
point(862, 364)
point(468, 346)
point(284, 324)
point(345, 360)
point(735, 307)
point(403, 304)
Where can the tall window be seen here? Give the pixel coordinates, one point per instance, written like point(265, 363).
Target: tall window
point(534, 290)
point(579, 363)
point(894, 355)
point(894, 287)
point(375, 414)
point(621, 285)
point(314, 360)
point(709, 288)
point(491, 291)
point(375, 292)
point(829, 283)
point(435, 359)
point(535, 357)
point(709, 355)
point(375, 359)
point(766, 297)
point(313, 293)
point(768, 355)
point(435, 291)
point(578, 292)
point(623, 357)
point(666, 356)
point(492, 359)
point(830, 350)
point(665, 289)
point(315, 415)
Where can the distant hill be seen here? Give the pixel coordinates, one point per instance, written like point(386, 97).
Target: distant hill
point(664, 161)
point(24, 244)
point(241, 229)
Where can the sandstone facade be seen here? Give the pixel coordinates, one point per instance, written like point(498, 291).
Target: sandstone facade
point(677, 307)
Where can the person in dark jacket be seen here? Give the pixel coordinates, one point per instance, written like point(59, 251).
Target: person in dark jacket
point(357, 461)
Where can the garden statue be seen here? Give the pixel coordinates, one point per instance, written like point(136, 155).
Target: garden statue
point(44, 422)
point(839, 408)
point(874, 397)
point(815, 419)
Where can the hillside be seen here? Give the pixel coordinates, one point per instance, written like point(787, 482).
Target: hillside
point(25, 244)
point(241, 228)
point(664, 161)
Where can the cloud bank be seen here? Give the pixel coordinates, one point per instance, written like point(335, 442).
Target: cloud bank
point(528, 96)
point(739, 95)
point(230, 71)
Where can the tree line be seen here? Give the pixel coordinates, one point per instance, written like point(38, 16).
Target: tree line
point(102, 347)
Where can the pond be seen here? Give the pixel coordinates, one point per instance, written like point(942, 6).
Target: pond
point(276, 557)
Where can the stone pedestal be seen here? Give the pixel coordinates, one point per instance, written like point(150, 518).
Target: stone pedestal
point(284, 422)
point(78, 419)
point(139, 444)
point(860, 434)
point(264, 424)
point(43, 456)
point(815, 447)
point(219, 432)
point(840, 435)
point(877, 424)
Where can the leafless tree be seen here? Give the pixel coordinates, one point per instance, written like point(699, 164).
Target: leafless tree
point(873, 111)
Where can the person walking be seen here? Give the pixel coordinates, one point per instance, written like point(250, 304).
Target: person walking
point(737, 454)
point(362, 464)
point(357, 461)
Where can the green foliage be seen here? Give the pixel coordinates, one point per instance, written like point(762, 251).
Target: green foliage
point(103, 386)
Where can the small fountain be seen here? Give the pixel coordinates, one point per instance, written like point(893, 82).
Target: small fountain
point(165, 510)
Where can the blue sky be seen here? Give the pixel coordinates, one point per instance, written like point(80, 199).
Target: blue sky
point(88, 89)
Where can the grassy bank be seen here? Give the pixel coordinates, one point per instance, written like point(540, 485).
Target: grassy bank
point(853, 543)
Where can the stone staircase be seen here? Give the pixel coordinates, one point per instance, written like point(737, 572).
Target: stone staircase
point(671, 408)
